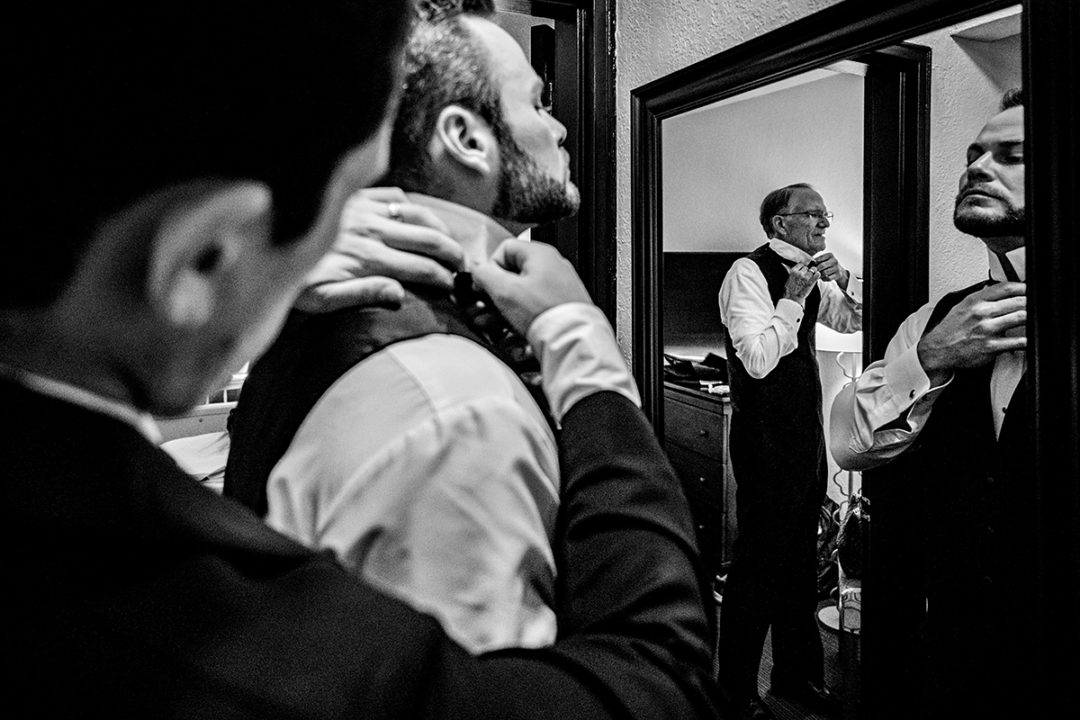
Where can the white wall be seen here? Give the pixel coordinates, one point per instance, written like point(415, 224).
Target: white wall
point(719, 162)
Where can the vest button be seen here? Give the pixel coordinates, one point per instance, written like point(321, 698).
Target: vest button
point(989, 479)
point(987, 581)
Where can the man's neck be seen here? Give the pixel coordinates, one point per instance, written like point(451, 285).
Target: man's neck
point(1003, 244)
point(72, 364)
point(514, 227)
point(83, 396)
point(69, 371)
point(477, 233)
point(787, 251)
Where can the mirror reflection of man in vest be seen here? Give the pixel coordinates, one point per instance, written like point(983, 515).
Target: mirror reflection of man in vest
point(954, 460)
point(770, 302)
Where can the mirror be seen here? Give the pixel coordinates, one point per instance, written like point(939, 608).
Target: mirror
point(918, 82)
point(719, 162)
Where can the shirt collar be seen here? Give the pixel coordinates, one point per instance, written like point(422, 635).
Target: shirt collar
point(477, 233)
point(788, 251)
point(60, 390)
point(1017, 257)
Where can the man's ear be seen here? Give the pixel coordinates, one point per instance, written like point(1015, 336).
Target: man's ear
point(198, 247)
point(467, 139)
point(778, 226)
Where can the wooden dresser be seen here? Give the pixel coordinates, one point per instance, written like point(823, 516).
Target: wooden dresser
point(696, 439)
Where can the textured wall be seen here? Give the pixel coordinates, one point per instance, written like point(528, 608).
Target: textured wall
point(967, 83)
point(654, 38)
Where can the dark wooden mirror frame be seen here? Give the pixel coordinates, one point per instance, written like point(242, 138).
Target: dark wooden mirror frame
point(1051, 58)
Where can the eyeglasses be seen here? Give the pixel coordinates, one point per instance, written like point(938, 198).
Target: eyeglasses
point(815, 214)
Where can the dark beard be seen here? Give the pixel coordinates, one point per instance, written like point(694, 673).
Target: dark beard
point(526, 194)
point(984, 225)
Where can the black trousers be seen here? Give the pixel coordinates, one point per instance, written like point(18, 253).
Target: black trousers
point(780, 477)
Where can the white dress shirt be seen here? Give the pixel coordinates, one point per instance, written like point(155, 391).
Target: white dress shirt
point(761, 331)
point(429, 469)
point(897, 387)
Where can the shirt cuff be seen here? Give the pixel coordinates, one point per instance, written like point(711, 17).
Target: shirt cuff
point(578, 356)
point(854, 288)
point(789, 311)
point(907, 380)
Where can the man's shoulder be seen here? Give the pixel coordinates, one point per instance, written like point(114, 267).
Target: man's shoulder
point(416, 402)
point(421, 380)
point(442, 366)
point(747, 263)
point(743, 270)
point(84, 480)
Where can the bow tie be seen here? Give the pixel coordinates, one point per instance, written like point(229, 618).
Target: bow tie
point(484, 318)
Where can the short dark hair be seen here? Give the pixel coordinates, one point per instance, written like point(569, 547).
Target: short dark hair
point(1013, 97)
point(115, 101)
point(444, 65)
point(776, 201)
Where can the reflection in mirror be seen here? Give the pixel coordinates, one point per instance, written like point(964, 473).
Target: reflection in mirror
point(717, 163)
point(949, 518)
point(974, 63)
point(720, 161)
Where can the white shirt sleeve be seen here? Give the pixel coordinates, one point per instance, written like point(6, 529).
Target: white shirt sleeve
point(760, 331)
point(578, 356)
point(841, 309)
point(441, 491)
point(879, 415)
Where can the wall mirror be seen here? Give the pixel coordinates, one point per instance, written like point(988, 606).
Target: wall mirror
point(875, 108)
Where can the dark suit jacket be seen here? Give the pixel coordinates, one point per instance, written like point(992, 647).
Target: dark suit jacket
point(135, 592)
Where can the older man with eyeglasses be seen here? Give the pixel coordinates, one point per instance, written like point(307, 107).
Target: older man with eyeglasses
point(770, 302)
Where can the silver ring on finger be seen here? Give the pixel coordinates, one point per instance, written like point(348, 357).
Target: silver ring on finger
point(393, 211)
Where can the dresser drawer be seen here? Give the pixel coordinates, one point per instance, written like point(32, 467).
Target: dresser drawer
point(694, 428)
point(698, 476)
point(702, 477)
point(708, 532)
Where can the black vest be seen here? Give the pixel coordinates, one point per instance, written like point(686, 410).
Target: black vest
point(791, 393)
point(311, 353)
point(976, 539)
point(968, 473)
